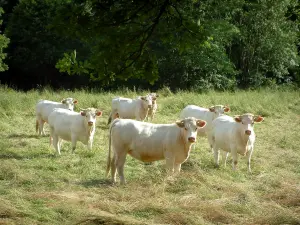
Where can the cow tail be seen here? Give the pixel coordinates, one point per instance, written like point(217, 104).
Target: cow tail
point(109, 148)
point(36, 126)
point(109, 118)
point(50, 137)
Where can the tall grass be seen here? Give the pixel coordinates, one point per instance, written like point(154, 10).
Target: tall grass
point(39, 187)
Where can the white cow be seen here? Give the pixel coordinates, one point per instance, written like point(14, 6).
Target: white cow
point(204, 114)
point(234, 135)
point(151, 142)
point(153, 108)
point(72, 126)
point(128, 108)
point(45, 107)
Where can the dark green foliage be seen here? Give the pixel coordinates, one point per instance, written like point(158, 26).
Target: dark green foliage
point(3, 44)
point(266, 48)
point(35, 47)
point(196, 45)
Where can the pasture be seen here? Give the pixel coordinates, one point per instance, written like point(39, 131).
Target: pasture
point(39, 187)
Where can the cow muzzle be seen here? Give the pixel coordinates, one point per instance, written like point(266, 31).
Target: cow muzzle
point(192, 139)
point(90, 123)
point(248, 132)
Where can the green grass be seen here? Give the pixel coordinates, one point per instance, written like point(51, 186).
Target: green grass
point(39, 187)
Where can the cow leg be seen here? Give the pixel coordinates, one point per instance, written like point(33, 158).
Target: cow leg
point(249, 154)
point(224, 157)
point(216, 156)
point(113, 169)
point(234, 159)
point(120, 166)
point(73, 140)
point(170, 161)
point(41, 126)
point(90, 144)
point(60, 142)
point(177, 167)
point(55, 144)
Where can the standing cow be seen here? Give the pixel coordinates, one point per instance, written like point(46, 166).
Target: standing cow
point(151, 142)
point(73, 126)
point(153, 109)
point(128, 108)
point(235, 135)
point(204, 114)
point(45, 107)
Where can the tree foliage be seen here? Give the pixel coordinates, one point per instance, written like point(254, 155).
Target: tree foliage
point(3, 44)
point(199, 44)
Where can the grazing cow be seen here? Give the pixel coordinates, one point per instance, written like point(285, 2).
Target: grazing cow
point(149, 142)
point(204, 114)
point(153, 108)
point(72, 126)
point(235, 135)
point(128, 108)
point(45, 107)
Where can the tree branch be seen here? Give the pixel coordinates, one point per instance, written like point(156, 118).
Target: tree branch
point(134, 56)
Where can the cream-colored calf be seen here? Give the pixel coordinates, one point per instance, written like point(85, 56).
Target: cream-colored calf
point(128, 108)
point(45, 107)
point(73, 126)
point(233, 135)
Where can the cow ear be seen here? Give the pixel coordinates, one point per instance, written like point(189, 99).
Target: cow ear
point(143, 98)
point(180, 123)
point(201, 123)
point(212, 109)
point(75, 101)
point(63, 101)
point(258, 119)
point(82, 113)
point(154, 98)
point(237, 119)
point(98, 113)
point(226, 109)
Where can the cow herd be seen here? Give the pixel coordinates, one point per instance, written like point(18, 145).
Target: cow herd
point(146, 141)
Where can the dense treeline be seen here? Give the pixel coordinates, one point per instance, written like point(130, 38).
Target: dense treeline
point(200, 44)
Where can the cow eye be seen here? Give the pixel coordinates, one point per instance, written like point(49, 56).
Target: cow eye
point(185, 128)
point(196, 128)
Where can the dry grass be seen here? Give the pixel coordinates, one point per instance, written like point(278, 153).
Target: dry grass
point(39, 187)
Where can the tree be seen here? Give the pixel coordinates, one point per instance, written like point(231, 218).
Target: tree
point(35, 47)
point(3, 44)
point(266, 49)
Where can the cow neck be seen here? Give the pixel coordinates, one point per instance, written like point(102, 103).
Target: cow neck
point(244, 141)
point(186, 144)
point(143, 111)
point(88, 129)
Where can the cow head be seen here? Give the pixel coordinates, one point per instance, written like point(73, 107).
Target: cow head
point(69, 103)
point(218, 110)
point(154, 97)
point(147, 101)
point(90, 115)
point(247, 121)
point(190, 127)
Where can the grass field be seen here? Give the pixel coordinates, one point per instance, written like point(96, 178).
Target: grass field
point(39, 187)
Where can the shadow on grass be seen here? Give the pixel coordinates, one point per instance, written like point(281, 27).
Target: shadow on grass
point(96, 183)
point(106, 220)
point(25, 136)
point(15, 155)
